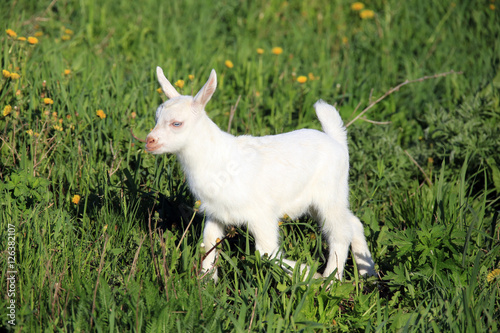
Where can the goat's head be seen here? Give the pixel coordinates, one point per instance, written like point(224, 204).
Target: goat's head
point(177, 117)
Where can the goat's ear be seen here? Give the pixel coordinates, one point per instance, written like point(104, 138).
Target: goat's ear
point(204, 95)
point(166, 86)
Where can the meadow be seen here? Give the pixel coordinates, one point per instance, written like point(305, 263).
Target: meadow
point(99, 235)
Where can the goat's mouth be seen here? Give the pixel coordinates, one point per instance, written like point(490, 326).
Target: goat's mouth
point(151, 148)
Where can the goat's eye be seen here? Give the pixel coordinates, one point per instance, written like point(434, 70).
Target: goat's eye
point(177, 124)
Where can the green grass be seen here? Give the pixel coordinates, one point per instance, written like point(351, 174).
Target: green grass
point(117, 261)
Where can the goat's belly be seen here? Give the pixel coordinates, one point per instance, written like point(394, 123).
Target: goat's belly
point(229, 213)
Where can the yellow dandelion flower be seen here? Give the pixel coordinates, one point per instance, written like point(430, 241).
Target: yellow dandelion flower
point(68, 32)
point(133, 115)
point(367, 14)
point(48, 101)
point(14, 76)
point(65, 37)
point(311, 76)
point(38, 34)
point(280, 223)
point(197, 204)
point(54, 114)
point(7, 110)
point(159, 91)
point(179, 83)
point(11, 33)
point(6, 73)
point(22, 39)
point(277, 50)
point(100, 114)
point(302, 79)
point(229, 64)
point(29, 132)
point(191, 77)
point(493, 274)
point(36, 134)
point(492, 6)
point(67, 71)
point(357, 6)
point(33, 40)
point(76, 199)
point(260, 51)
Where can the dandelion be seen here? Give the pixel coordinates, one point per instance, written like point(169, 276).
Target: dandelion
point(22, 39)
point(493, 274)
point(100, 114)
point(6, 73)
point(69, 32)
point(11, 33)
point(76, 199)
point(367, 14)
point(197, 205)
point(7, 110)
point(191, 77)
point(277, 50)
point(14, 76)
point(179, 83)
point(29, 132)
point(357, 6)
point(159, 91)
point(48, 101)
point(302, 79)
point(260, 51)
point(67, 72)
point(229, 64)
point(32, 40)
point(38, 34)
point(133, 115)
point(492, 6)
point(66, 37)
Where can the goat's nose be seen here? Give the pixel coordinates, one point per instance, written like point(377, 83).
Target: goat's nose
point(150, 140)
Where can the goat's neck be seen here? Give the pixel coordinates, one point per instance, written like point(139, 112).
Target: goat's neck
point(208, 150)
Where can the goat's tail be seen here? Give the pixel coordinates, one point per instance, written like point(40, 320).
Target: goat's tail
point(332, 124)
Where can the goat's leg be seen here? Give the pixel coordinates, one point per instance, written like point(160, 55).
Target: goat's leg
point(267, 242)
point(266, 238)
point(360, 249)
point(338, 229)
point(212, 231)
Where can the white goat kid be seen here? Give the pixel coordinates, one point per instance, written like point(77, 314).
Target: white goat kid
point(254, 181)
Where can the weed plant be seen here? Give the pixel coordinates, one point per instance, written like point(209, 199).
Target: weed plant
point(107, 237)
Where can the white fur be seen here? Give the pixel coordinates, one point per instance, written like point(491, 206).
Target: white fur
point(254, 181)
